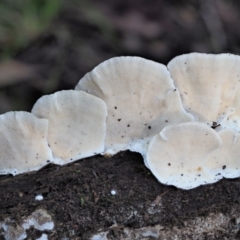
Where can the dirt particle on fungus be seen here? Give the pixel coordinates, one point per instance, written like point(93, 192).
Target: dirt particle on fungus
point(128, 125)
point(119, 119)
point(166, 121)
point(175, 90)
point(149, 127)
point(215, 125)
point(115, 107)
point(199, 169)
point(169, 164)
point(181, 174)
point(224, 167)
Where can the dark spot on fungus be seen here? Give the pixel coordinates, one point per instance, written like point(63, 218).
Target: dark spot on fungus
point(48, 161)
point(169, 164)
point(215, 125)
point(115, 107)
point(181, 174)
point(149, 127)
point(119, 119)
point(128, 125)
point(175, 90)
point(166, 120)
point(224, 167)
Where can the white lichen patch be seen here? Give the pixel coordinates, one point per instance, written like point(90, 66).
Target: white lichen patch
point(39, 220)
point(100, 236)
point(12, 231)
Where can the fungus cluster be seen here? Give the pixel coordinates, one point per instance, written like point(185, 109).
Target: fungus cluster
point(183, 118)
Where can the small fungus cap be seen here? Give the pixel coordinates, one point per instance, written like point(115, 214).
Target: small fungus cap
point(209, 86)
point(176, 155)
point(24, 145)
point(141, 99)
point(77, 124)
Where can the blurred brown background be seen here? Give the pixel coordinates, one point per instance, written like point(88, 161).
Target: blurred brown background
point(48, 45)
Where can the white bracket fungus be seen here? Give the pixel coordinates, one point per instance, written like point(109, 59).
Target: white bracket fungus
point(141, 100)
point(124, 103)
point(39, 219)
point(77, 124)
point(177, 154)
point(209, 85)
point(24, 144)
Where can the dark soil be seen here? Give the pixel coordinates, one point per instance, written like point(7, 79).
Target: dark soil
point(78, 197)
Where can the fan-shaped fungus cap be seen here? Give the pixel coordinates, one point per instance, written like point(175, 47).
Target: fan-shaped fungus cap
point(24, 144)
point(77, 124)
point(225, 161)
point(177, 154)
point(209, 86)
point(141, 100)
